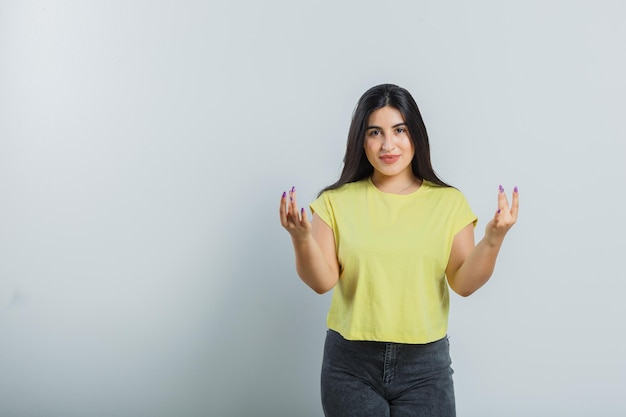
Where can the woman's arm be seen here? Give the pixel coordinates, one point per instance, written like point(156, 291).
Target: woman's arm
point(313, 244)
point(469, 266)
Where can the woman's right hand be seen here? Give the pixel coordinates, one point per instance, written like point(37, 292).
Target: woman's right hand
point(295, 221)
point(313, 244)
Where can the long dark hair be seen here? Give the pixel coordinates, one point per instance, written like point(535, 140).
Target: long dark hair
point(355, 164)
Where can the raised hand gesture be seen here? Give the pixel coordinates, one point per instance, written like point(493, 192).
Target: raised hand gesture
point(505, 216)
point(295, 221)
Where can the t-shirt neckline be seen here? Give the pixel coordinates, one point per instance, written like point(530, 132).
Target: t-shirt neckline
point(393, 195)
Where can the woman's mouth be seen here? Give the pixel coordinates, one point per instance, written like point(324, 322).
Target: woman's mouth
point(389, 159)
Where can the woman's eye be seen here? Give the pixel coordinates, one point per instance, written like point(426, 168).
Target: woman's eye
point(374, 132)
point(400, 130)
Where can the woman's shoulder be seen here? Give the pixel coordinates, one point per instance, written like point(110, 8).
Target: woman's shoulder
point(346, 189)
point(442, 191)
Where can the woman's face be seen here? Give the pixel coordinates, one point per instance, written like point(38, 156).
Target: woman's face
point(387, 144)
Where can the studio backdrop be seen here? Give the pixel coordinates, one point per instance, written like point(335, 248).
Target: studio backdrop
point(144, 147)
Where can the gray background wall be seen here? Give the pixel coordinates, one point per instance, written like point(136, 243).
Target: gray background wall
point(144, 146)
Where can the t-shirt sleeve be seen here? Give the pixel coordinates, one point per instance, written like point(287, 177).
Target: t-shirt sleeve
point(463, 214)
point(322, 206)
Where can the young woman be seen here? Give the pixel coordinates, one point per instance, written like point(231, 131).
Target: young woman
point(390, 237)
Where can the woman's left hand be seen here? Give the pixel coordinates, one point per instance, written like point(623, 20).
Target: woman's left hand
point(504, 218)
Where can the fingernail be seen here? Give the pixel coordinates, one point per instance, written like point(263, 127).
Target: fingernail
point(302, 211)
point(293, 189)
point(501, 188)
point(284, 194)
point(515, 189)
point(498, 211)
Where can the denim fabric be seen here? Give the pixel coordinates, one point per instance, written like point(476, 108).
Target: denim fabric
point(376, 379)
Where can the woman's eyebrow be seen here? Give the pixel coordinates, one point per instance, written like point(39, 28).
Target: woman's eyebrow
point(378, 127)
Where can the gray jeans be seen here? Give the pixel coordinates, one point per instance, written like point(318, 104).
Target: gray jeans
point(378, 379)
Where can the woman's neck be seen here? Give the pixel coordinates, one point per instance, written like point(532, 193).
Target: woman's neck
point(397, 184)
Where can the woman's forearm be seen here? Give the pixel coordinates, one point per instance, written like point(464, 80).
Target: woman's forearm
point(311, 265)
point(477, 267)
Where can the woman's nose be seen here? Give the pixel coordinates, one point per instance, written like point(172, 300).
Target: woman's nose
point(387, 143)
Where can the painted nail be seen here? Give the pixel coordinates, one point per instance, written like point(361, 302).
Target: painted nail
point(293, 189)
point(302, 211)
point(501, 188)
point(498, 211)
point(515, 189)
point(284, 194)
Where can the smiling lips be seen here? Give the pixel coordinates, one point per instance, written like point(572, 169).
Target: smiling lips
point(389, 159)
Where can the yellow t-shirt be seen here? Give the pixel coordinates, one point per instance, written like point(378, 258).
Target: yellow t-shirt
point(393, 251)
